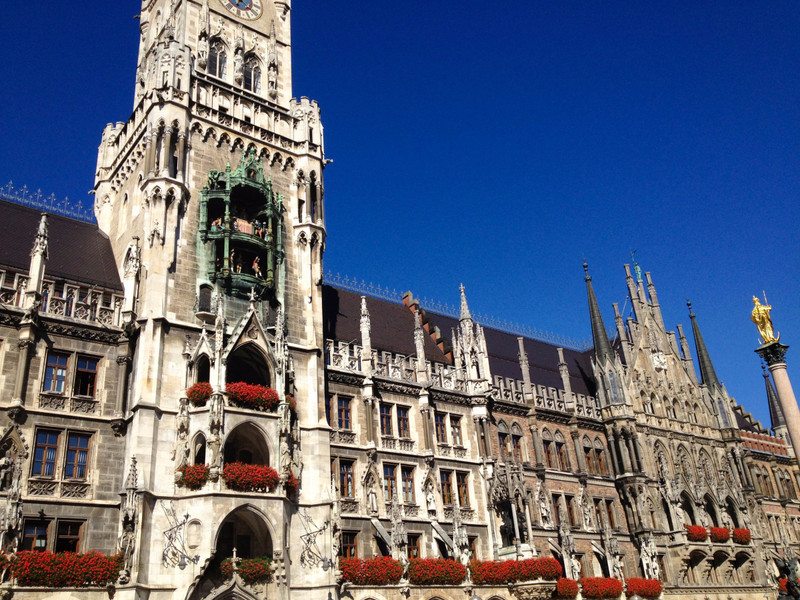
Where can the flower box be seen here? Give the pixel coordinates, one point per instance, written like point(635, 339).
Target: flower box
point(199, 393)
point(696, 533)
point(500, 572)
point(256, 397)
point(381, 570)
point(566, 589)
point(741, 536)
point(65, 569)
point(251, 570)
point(193, 476)
point(720, 535)
point(435, 571)
point(250, 478)
point(646, 588)
point(601, 587)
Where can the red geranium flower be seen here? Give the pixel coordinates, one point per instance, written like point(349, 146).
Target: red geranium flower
point(65, 569)
point(741, 536)
point(647, 588)
point(250, 478)
point(601, 587)
point(194, 476)
point(251, 570)
point(199, 393)
point(720, 534)
point(435, 571)
point(381, 570)
point(256, 397)
point(566, 589)
point(696, 533)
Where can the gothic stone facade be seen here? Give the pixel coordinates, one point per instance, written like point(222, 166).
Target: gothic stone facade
point(410, 433)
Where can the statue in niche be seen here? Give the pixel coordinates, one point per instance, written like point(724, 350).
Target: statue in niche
point(430, 498)
point(372, 494)
point(649, 557)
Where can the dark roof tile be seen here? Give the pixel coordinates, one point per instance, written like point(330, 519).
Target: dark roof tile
point(77, 251)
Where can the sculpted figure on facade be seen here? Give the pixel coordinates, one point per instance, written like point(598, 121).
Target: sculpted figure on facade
point(430, 498)
point(544, 506)
point(649, 557)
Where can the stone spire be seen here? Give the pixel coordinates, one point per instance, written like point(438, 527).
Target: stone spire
point(707, 374)
point(465, 314)
point(366, 338)
point(777, 420)
point(602, 347)
point(39, 255)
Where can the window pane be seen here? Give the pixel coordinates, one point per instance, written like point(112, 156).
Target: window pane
point(68, 536)
point(44, 454)
point(403, 428)
point(55, 373)
point(35, 535)
point(77, 455)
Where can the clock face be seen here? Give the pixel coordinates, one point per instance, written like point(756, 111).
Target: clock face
point(244, 9)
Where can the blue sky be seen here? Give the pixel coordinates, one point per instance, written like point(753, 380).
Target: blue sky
point(498, 145)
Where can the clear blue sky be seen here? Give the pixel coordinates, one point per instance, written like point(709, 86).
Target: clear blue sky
point(498, 144)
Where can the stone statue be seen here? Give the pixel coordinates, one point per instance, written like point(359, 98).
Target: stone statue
point(760, 316)
point(286, 455)
point(430, 498)
point(215, 411)
point(544, 508)
point(649, 557)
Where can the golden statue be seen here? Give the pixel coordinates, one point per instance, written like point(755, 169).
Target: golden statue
point(760, 316)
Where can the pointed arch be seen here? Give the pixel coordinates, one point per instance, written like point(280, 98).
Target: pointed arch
point(249, 530)
point(249, 443)
point(217, 63)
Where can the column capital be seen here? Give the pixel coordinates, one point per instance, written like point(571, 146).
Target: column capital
point(773, 353)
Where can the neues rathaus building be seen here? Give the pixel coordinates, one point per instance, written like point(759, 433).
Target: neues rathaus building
point(392, 430)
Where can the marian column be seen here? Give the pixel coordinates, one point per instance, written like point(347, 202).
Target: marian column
point(773, 353)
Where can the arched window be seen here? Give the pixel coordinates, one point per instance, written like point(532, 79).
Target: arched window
point(252, 74)
point(588, 455)
point(502, 440)
point(204, 299)
point(199, 449)
point(516, 443)
point(217, 59)
point(561, 452)
point(549, 449)
point(203, 367)
point(600, 457)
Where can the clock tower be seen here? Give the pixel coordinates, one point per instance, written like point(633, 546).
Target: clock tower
point(211, 193)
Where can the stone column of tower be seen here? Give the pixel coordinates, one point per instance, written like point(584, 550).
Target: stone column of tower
point(774, 354)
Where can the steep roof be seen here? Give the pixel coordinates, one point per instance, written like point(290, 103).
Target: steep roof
point(392, 329)
point(391, 325)
point(77, 251)
point(542, 358)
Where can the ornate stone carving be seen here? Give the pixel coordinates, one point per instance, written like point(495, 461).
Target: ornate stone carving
point(74, 490)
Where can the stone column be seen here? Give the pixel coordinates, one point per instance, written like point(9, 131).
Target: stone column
point(538, 449)
point(612, 448)
point(623, 450)
point(25, 343)
point(180, 152)
point(579, 451)
point(166, 146)
point(773, 354)
point(369, 403)
point(122, 382)
point(487, 436)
